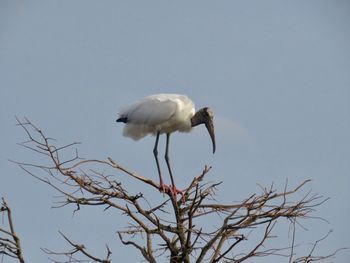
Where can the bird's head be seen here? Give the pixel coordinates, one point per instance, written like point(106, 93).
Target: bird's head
point(205, 116)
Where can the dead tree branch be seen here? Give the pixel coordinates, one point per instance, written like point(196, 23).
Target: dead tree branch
point(10, 244)
point(173, 228)
point(73, 255)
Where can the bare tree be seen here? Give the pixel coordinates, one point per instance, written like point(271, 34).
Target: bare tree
point(173, 229)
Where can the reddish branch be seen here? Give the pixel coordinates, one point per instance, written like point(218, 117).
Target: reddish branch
point(171, 227)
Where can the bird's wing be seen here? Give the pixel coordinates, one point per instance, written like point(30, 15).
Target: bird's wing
point(151, 110)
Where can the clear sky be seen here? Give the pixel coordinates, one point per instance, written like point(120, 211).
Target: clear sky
point(276, 73)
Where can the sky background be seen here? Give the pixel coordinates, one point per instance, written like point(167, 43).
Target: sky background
point(276, 73)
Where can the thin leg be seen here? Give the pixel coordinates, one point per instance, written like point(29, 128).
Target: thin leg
point(167, 158)
point(162, 186)
point(174, 190)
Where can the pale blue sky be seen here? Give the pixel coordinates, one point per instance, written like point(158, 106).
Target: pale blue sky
point(276, 73)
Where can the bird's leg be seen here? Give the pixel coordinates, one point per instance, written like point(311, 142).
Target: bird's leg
point(162, 187)
point(173, 189)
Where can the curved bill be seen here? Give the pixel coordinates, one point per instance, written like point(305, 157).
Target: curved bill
point(210, 127)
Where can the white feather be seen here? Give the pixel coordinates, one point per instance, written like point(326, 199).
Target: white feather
point(164, 113)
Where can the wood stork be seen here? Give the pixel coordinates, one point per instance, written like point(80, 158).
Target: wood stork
point(164, 113)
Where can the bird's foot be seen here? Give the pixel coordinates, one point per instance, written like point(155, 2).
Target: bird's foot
point(163, 188)
point(174, 192)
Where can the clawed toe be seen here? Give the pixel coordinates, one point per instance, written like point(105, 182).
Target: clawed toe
point(174, 192)
point(171, 190)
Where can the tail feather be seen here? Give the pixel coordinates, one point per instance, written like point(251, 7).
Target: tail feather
point(122, 119)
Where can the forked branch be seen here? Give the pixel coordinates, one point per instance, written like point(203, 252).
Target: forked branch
point(10, 244)
point(166, 227)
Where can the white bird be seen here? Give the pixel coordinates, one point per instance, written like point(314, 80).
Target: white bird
point(164, 113)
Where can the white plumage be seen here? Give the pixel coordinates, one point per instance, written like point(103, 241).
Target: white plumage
point(164, 113)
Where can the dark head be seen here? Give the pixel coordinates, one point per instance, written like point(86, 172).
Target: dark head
point(205, 116)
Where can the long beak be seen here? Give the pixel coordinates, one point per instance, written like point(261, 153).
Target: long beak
point(210, 127)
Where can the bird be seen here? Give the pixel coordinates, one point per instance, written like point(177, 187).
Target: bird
point(164, 114)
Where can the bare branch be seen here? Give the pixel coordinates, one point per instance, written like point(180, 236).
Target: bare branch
point(168, 227)
point(78, 249)
point(11, 248)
